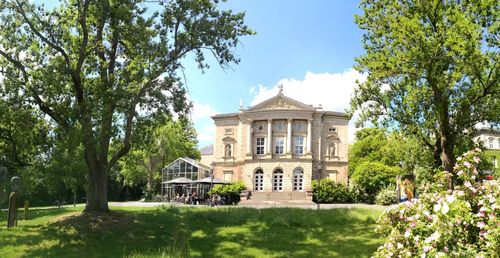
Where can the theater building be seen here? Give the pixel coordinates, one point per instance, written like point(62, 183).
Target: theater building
point(279, 145)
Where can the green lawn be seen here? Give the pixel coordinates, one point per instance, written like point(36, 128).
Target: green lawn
point(193, 232)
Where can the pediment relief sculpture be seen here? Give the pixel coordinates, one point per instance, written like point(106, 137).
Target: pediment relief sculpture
point(281, 104)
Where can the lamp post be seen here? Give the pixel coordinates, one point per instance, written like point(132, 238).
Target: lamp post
point(319, 167)
point(212, 174)
point(212, 180)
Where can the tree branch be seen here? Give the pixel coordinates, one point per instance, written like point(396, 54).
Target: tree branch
point(43, 106)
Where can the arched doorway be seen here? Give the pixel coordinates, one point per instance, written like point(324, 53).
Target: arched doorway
point(258, 179)
point(298, 180)
point(278, 180)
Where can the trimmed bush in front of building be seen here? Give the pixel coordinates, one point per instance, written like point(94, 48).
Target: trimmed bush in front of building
point(231, 193)
point(328, 191)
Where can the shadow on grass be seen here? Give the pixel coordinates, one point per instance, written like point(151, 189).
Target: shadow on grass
point(216, 232)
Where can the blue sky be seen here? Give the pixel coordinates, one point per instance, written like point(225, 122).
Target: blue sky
point(308, 46)
point(294, 38)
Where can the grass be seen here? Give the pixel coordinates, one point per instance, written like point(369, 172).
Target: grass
point(193, 232)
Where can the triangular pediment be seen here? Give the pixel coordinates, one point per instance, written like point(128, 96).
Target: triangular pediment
point(228, 139)
point(280, 102)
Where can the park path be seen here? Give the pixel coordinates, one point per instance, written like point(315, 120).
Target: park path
point(257, 206)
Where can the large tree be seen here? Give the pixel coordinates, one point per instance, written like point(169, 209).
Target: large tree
point(96, 67)
point(433, 69)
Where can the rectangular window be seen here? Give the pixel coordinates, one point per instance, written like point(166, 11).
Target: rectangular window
point(279, 126)
point(299, 145)
point(228, 176)
point(332, 175)
point(229, 131)
point(279, 143)
point(259, 146)
point(299, 126)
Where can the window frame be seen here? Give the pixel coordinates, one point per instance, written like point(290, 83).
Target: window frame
point(280, 146)
point(297, 146)
point(261, 146)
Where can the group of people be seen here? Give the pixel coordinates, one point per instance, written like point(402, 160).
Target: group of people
point(193, 199)
point(188, 199)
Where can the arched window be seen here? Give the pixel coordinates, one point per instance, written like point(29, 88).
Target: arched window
point(258, 178)
point(227, 151)
point(298, 180)
point(278, 180)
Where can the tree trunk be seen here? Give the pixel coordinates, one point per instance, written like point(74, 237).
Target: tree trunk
point(447, 158)
point(149, 184)
point(437, 153)
point(97, 189)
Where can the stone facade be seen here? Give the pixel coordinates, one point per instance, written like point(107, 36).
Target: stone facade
point(280, 145)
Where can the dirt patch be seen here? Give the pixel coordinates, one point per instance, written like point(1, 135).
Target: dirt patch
point(93, 221)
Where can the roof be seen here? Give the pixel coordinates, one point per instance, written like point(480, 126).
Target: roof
point(191, 161)
point(282, 99)
point(180, 180)
point(228, 115)
point(209, 180)
point(207, 150)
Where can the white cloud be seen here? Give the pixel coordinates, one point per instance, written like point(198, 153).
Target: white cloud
point(331, 90)
point(252, 90)
point(201, 111)
point(206, 134)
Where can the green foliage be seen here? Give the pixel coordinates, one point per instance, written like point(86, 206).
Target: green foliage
point(432, 70)
point(328, 191)
point(101, 69)
point(367, 147)
point(357, 193)
point(231, 191)
point(387, 196)
point(446, 222)
point(374, 176)
point(392, 149)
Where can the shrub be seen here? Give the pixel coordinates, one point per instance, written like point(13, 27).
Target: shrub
point(357, 194)
point(459, 222)
point(328, 191)
point(387, 196)
point(374, 176)
point(231, 192)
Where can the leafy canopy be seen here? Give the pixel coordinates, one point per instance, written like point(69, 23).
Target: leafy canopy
point(433, 69)
point(100, 68)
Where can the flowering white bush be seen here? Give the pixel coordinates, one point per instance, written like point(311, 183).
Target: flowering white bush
point(463, 222)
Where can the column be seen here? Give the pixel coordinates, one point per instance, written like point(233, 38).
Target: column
point(309, 129)
point(269, 135)
point(249, 137)
point(289, 137)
